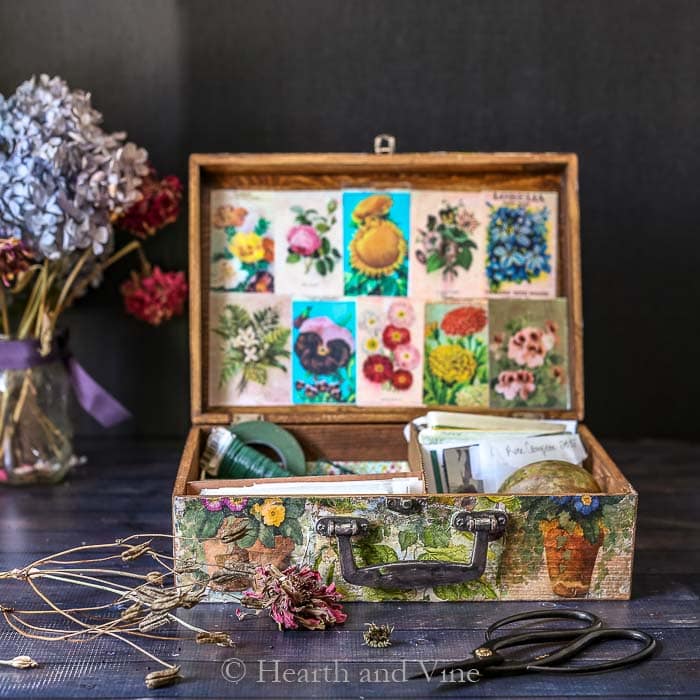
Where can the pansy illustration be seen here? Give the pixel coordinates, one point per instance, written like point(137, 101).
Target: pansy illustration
point(324, 352)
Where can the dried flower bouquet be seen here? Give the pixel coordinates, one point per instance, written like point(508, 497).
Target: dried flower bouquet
point(66, 185)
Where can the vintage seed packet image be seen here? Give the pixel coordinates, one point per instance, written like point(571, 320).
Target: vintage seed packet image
point(529, 353)
point(456, 354)
point(308, 233)
point(389, 351)
point(323, 355)
point(249, 349)
point(242, 241)
point(376, 229)
point(521, 244)
point(447, 244)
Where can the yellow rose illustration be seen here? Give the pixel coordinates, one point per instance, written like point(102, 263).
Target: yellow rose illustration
point(247, 247)
point(378, 248)
point(452, 363)
point(272, 511)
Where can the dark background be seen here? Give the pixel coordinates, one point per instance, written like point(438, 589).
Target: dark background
point(616, 82)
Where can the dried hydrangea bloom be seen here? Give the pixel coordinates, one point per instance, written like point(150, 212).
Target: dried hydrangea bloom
point(155, 297)
point(62, 178)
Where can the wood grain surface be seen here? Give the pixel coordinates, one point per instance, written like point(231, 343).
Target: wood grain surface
point(126, 487)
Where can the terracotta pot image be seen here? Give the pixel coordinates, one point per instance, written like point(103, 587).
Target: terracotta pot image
point(570, 559)
point(279, 555)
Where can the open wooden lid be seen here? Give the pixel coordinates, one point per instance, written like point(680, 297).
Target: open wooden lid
point(554, 172)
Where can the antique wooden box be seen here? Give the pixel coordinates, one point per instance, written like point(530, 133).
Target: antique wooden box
point(437, 546)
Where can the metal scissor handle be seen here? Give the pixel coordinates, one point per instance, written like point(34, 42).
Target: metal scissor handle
point(580, 638)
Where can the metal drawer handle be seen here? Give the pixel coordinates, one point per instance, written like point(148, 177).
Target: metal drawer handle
point(487, 525)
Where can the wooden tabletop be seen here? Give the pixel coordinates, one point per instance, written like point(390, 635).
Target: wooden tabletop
point(125, 489)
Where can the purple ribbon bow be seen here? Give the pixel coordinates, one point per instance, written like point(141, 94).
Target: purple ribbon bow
point(95, 400)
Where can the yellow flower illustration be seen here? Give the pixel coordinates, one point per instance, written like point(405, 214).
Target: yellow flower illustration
point(247, 247)
point(374, 205)
point(452, 363)
point(378, 248)
point(272, 511)
point(372, 344)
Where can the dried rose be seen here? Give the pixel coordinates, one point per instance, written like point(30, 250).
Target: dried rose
point(159, 206)
point(15, 258)
point(295, 598)
point(156, 297)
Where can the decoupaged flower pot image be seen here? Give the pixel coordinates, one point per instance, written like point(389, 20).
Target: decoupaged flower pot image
point(570, 559)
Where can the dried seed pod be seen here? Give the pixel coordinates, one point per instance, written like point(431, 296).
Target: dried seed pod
point(136, 550)
point(222, 639)
point(153, 621)
point(20, 662)
point(155, 578)
point(191, 598)
point(159, 679)
point(131, 613)
point(234, 531)
point(377, 636)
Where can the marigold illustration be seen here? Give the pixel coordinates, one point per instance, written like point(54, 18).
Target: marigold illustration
point(247, 247)
point(452, 363)
point(272, 511)
point(464, 320)
point(376, 205)
point(378, 248)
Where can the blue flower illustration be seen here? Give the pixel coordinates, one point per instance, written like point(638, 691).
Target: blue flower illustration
point(586, 504)
point(517, 245)
point(561, 500)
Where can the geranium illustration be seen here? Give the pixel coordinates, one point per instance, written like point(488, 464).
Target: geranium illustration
point(252, 344)
point(308, 242)
point(456, 367)
point(517, 245)
point(377, 250)
point(245, 263)
point(445, 244)
point(528, 365)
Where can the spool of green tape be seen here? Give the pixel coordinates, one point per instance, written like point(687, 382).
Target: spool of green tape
point(259, 433)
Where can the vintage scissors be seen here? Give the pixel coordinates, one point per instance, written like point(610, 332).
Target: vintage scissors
point(489, 661)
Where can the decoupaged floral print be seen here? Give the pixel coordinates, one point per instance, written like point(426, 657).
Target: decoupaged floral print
point(529, 354)
point(390, 351)
point(324, 352)
point(376, 232)
point(447, 244)
point(242, 241)
point(309, 240)
point(521, 243)
point(456, 354)
point(249, 349)
point(571, 546)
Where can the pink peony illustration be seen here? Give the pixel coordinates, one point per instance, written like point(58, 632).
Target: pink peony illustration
point(407, 356)
point(303, 240)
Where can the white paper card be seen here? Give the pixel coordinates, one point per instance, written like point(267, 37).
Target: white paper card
point(498, 459)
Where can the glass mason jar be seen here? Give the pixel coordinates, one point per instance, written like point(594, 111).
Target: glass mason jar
point(36, 438)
